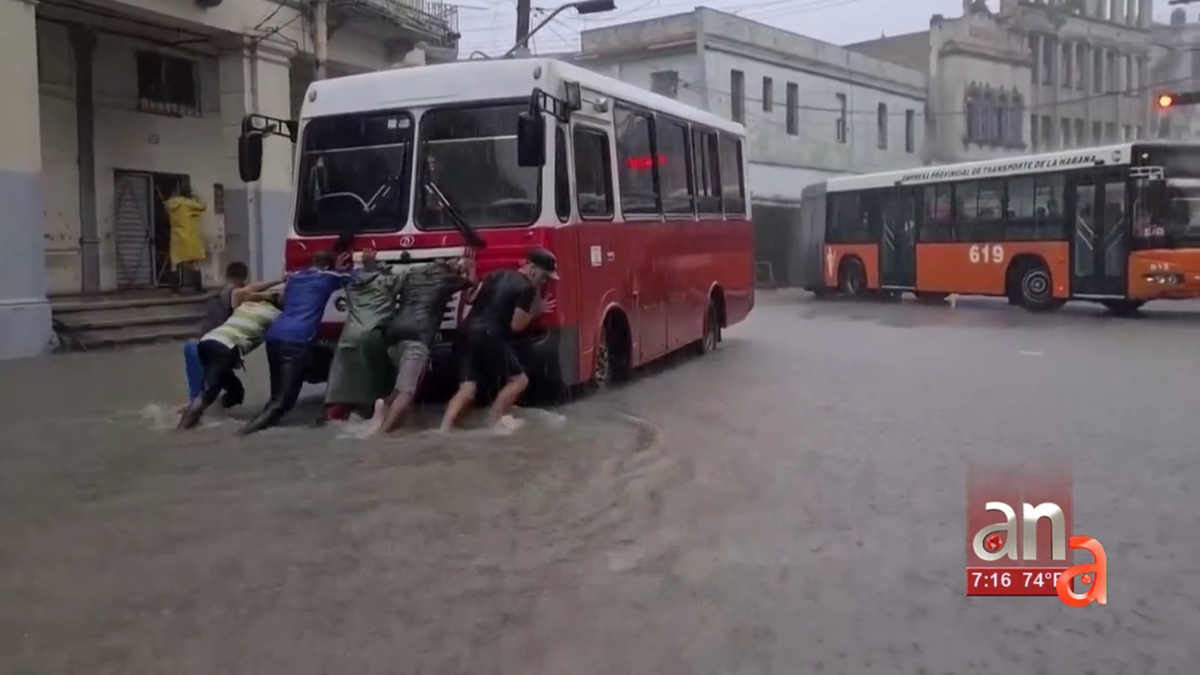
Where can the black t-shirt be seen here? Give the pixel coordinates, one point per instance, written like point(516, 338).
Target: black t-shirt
point(500, 295)
point(423, 296)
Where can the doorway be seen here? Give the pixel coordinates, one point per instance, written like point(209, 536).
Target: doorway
point(1100, 235)
point(142, 227)
point(898, 243)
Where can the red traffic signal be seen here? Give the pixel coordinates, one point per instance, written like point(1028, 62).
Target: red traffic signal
point(1171, 99)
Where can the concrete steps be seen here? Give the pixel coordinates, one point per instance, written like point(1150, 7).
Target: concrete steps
point(99, 322)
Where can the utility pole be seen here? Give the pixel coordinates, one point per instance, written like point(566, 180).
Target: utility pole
point(321, 37)
point(524, 15)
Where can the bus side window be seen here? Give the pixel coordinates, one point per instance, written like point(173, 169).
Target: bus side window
point(593, 173)
point(848, 219)
point(1021, 223)
point(562, 177)
point(733, 191)
point(1049, 198)
point(980, 215)
point(637, 165)
point(673, 162)
point(936, 225)
point(706, 162)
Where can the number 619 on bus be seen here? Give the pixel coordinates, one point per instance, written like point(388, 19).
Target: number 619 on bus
point(983, 253)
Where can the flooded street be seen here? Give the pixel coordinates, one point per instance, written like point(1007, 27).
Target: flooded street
point(791, 504)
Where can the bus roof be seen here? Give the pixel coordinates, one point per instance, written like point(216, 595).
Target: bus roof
point(469, 81)
point(993, 168)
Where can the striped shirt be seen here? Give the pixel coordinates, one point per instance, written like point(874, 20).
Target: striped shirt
point(245, 328)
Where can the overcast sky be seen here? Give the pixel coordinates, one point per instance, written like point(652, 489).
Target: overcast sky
point(489, 25)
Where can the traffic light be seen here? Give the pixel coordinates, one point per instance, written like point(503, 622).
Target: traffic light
point(1173, 99)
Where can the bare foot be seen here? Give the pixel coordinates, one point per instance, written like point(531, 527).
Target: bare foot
point(376, 424)
point(507, 425)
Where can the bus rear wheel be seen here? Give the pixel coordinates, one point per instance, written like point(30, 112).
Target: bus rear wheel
point(712, 331)
point(852, 278)
point(1033, 288)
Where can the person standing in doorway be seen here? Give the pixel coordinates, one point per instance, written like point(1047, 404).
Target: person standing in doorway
point(186, 243)
point(289, 339)
point(505, 305)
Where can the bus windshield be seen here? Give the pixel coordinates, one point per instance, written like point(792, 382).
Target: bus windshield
point(470, 154)
point(1179, 224)
point(353, 174)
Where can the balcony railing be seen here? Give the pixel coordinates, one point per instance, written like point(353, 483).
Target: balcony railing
point(434, 18)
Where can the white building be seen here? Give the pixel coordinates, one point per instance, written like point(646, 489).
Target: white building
point(812, 110)
point(1035, 76)
point(108, 106)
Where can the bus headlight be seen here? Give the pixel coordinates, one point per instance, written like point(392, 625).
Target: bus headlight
point(1164, 279)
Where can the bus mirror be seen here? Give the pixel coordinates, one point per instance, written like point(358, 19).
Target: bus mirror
point(250, 156)
point(531, 140)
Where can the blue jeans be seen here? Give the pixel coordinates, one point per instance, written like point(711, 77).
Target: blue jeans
point(195, 371)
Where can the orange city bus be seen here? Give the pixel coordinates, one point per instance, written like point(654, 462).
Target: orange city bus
point(1118, 225)
point(642, 199)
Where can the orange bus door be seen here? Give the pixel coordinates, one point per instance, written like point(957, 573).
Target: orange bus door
point(1099, 234)
point(898, 240)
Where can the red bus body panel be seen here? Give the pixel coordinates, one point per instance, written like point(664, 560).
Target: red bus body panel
point(660, 273)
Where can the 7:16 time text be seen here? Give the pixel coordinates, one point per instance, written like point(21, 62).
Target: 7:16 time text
point(1013, 581)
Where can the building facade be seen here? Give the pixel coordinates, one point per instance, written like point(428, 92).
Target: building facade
point(1176, 67)
point(111, 108)
point(1034, 76)
point(812, 110)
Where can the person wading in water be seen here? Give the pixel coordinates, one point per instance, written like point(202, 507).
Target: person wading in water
point(361, 372)
point(424, 295)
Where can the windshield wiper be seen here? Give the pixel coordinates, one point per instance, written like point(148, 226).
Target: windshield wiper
point(468, 232)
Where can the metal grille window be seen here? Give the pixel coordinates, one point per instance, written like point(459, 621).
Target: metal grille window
point(167, 85)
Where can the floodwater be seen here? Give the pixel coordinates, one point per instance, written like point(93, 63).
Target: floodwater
point(793, 503)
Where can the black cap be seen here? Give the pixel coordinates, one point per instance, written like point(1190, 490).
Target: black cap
point(543, 260)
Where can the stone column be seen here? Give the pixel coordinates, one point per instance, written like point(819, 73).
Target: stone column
point(257, 80)
point(24, 313)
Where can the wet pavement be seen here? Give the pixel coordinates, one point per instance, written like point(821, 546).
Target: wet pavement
point(791, 504)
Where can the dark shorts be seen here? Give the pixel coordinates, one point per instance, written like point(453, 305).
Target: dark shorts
point(487, 354)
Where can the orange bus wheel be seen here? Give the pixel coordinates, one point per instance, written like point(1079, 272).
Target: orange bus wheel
point(1033, 286)
point(852, 277)
point(1123, 308)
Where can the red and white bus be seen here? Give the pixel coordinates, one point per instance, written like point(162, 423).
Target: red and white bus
point(642, 199)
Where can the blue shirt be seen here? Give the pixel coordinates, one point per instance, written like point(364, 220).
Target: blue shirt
point(304, 299)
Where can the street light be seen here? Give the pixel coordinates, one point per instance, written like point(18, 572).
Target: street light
point(583, 7)
point(1166, 101)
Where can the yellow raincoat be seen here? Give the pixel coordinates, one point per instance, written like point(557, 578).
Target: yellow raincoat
point(186, 243)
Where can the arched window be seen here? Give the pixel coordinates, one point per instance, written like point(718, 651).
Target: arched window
point(988, 115)
point(1002, 112)
point(971, 106)
point(1016, 119)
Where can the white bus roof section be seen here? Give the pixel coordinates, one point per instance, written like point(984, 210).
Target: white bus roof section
point(995, 168)
point(472, 81)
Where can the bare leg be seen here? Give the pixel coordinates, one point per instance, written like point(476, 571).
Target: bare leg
point(395, 413)
point(454, 409)
point(508, 397)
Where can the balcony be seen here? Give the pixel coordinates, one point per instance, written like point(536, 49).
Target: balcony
point(432, 22)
